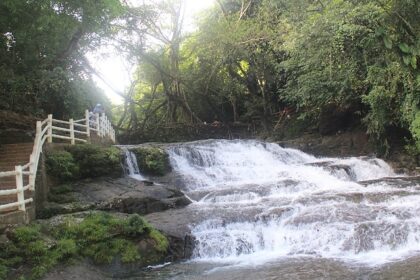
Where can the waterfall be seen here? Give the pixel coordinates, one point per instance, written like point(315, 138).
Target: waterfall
point(131, 166)
point(268, 202)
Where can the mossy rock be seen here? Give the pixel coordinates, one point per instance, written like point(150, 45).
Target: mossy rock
point(95, 161)
point(84, 161)
point(104, 239)
point(61, 194)
point(152, 161)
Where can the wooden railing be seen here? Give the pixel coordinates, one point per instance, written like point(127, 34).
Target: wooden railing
point(47, 130)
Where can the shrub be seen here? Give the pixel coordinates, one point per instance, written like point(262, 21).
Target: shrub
point(84, 161)
point(95, 161)
point(152, 160)
point(62, 165)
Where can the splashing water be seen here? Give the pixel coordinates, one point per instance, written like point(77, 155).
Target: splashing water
point(269, 202)
point(132, 168)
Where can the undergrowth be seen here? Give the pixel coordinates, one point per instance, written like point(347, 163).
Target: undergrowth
point(100, 237)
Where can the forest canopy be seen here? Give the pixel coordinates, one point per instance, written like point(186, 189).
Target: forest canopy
point(352, 62)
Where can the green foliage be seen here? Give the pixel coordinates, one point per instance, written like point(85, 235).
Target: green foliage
point(84, 161)
point(152, 160)
point(248, 63)
point(415, 130)
point(102, 236)
point(95, 161)
point(99, 236)
point(42, 64)
point(28, 247)
point(62, 165)
point(61, 194)
point(162, 243)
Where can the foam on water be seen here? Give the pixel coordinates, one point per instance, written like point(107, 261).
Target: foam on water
point(131, 165)
point(301, 205)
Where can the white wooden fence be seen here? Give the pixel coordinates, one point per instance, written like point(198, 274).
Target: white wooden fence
point(47, 130)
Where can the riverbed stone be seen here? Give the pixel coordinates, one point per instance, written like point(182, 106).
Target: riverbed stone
point(122, 195)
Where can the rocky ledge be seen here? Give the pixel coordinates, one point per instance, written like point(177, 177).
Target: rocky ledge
point(123, 195)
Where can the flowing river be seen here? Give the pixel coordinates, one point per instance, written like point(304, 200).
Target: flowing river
point(266, 212)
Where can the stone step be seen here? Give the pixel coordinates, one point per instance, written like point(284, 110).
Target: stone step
point(8, 162)
point(13, 160)
point(14, 156)
point(14, 153)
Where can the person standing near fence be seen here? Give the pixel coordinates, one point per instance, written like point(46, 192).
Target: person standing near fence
point(99, 109)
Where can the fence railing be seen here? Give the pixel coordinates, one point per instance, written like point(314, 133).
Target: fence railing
point(47, 130)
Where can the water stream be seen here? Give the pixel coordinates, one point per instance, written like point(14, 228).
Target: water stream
point(284, 211)
point(131, 166)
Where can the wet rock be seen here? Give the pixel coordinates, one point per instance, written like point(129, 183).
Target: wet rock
point(122, 195)
point(400, 182)
point(175, 224)
point(339, 145)
point(335, 168)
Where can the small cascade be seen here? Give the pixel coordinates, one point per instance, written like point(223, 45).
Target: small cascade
point(269, 202)
point(131, 166)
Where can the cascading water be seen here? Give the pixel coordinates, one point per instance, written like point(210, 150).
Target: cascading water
point(260, 202)
point(131, 165)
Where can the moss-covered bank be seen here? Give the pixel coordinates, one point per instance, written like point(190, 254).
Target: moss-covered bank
point(28, 252)
point(84, 161)
point(152, 160)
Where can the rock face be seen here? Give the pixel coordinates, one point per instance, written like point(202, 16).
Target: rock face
point(129, 196)
point(345, 144)
point(124, 195)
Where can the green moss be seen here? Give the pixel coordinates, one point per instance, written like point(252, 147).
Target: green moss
point(61, 194)
point(28, 247)
point(61, 189)
point(95, 161)
point(162, 242)
point(152, 160)
point(62, 166)
point(101, 237)
point(84, 161)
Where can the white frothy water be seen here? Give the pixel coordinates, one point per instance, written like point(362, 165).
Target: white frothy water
point(269, 202)
point(131, 164)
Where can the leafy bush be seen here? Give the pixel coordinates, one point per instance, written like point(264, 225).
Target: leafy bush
point(415, 130)
point(152, 160)
point(84, 161)
point(95, 161)
point(62, 165)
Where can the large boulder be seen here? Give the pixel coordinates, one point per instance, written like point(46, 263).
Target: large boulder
point(124, 195)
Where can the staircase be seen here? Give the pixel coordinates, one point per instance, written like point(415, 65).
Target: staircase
point(10, 156)
point(19, 162)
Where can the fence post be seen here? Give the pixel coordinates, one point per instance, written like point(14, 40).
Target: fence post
point(49, 123)
point(72, 131)
point(32, 171)
point(19, 188)
point(103, 124)
point(87, 124)
point(97, 124)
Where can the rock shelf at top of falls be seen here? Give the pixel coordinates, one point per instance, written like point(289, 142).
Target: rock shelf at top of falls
point(255, 201)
